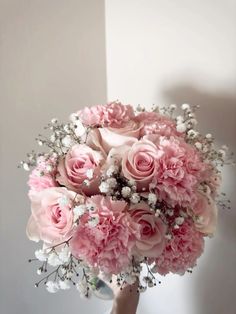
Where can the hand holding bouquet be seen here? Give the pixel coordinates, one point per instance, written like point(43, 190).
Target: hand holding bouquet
point(119, 191)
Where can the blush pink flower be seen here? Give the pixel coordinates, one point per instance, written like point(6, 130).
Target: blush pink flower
point(180, 170)
point(205, 213)
point(151, 241)
point(73, 169)
point(139, 163)
point(52, 218)
point(154, 123)
point(182, 251)
point(107, 245)
point(43, 176)
point(92, 116)
point(117, 114)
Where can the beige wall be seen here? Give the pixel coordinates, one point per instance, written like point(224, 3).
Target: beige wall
point(52, 62)
point(162, 51)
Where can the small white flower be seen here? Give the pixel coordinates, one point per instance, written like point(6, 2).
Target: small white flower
point(222, 153)
point(198, 145)
point(192, 133)
point(168, 236)
point(89, 173)
point(152, 199)
point(65, 254)
point(41, 255)
point(131, 182)
point(208, 136)
point(157, 213)
point(40, 143)
point(126, 191)
point(112, 170)
point(64, 284)
point(179, 220)
point(112, 182)
point(79, 211)
point(179, 119)
point(69, 274)
point(67, 141)
point(135, 198)
point(52, 287)
point(185, 107)
point(173, 107)
point(54, 120)
point(181, 127)
point(52, 138)
point(49, 168)
point(87, 182)
point(74, 117)
point(93, 221)
point(66, 128)
point(79, 128)
point(54, 260)
point(26, 166)
point(104, 187)
point(176, 226)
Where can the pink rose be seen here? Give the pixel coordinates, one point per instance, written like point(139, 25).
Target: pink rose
point(107, 138)
point(108, 244)
point(139, 163)
point(154, 123)
point(52, 218)
point(73, 169)
point(151, 241)
point(182, 250)
point(205, 213)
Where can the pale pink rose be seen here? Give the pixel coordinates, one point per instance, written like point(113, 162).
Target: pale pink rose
point(73, 169)
point(151, 241)
point(205, 212)
point(139, 163)
point(117, 114)
point(180, 170)
point(52, 218)
point(107, 138)
point(182, 251)
point(154, 123)
point(107, 245)
point(92, 116)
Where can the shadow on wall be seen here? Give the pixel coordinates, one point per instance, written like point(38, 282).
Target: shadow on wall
point(214, 289)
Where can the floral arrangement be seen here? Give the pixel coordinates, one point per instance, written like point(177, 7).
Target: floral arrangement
point(122, 191)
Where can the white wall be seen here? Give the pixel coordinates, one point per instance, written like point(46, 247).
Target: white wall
point(52, 62)
point(163, 51)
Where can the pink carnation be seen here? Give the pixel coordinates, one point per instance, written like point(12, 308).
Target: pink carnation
point(108, 244)
point(180, 170)
point(182, 251)
point(154, 123)
point(117, 115)
point(93, 116)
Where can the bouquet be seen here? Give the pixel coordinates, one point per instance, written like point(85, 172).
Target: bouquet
point(122, 193)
